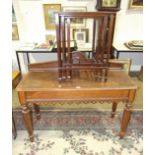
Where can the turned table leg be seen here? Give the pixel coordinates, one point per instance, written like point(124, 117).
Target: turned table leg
point(125, 119)
point(26, 115)
point(114, 107)
point(127, 112)
point(37, 111)
point(28, 121)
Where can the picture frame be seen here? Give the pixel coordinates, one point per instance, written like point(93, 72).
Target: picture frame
point(135, 5)
point(81, 35)
point(108, 5)
point(49, 15)
point(13, 15)
point(78, 22)
point(15, 35)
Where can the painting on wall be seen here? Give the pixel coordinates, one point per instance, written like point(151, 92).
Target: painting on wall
point(49, 15)
point(13, 15)
point(76, 22)
point(80, 37)
point(15, 35)
point(136, 4)
point(105, 5)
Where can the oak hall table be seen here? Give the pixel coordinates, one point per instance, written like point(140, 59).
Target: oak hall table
point(44, 88)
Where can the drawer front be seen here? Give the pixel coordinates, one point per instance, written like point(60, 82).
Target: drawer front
point(78, 95)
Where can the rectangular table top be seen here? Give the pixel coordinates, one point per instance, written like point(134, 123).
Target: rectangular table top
point(47, 81)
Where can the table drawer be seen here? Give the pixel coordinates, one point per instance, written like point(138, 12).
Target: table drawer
point(77, 95)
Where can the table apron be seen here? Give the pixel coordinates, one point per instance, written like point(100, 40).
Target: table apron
point(77, 95)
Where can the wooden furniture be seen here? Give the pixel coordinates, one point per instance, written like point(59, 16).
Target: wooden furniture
point(140, 75)
point(116, 64)
point(124, 64)
point(16, 77)
point(40, 85)
point(103, 26)
point(120, 48)
point(44, 88)
point(86, 48)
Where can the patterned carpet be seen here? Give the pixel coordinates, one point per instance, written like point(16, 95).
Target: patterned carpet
point(80, 133)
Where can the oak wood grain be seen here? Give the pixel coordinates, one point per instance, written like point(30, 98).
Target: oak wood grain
point(47, 81)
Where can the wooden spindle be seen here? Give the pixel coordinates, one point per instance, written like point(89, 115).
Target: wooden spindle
point(94, 36)
point(68, 44)
point(104, 30)
point(110, 36)
point(57, 18)
point(63, 44)
point(98, 51)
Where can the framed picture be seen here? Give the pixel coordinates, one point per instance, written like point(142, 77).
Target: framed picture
point(13, 15)
point(49, 15)
point(76, 22)
point(108, 5)
point(136, 4)
point(80, 38)
point(81, 35)
point(15, 35)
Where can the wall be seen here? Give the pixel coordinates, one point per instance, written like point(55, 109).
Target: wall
point(31, 26)
point(129, 26)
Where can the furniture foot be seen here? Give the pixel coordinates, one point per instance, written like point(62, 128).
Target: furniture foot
point(125, 119)
point(28, 121)
point(37, 111)
point(121, 135)
point(114, 107)
point(31, 138)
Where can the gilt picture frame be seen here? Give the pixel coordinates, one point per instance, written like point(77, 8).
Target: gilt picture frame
point(108, 5)
point(135, 4)
point(15, 35)
point(49, 16)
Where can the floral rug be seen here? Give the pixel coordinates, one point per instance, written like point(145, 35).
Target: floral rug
point(82, 142)
point(80, 133)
